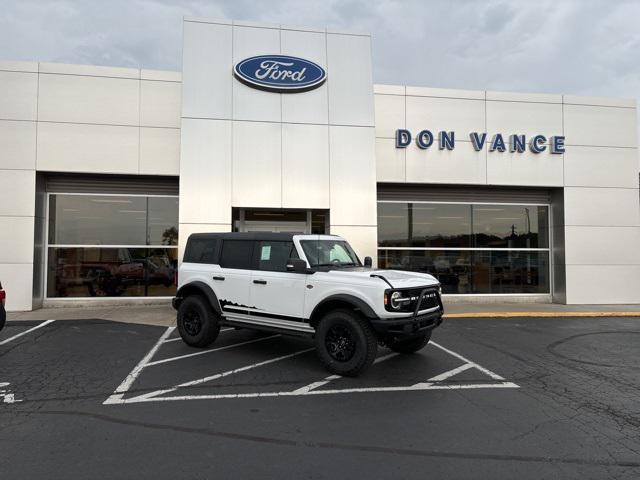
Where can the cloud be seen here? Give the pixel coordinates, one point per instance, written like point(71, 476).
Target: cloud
point(578, 47)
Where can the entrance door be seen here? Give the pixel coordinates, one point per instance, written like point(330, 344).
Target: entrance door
point(281, 220)
point(289, 227)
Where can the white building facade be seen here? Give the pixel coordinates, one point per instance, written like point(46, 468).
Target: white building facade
point(104, 172)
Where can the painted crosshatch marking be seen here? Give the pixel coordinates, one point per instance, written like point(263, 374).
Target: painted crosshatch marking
point(442, 381)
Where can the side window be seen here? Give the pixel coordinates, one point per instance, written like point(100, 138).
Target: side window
point(273, 256)
point(201, 251)
point(236, 254)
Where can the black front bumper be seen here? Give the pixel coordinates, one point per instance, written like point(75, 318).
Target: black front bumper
point(407, 326)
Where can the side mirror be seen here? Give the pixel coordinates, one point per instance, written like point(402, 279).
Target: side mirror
point(368, 262)
point(297, 265)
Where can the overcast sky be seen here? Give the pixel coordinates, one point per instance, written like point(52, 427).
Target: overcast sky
point(588, 47)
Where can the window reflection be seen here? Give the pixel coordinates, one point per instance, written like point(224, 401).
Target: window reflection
point(510, 226)
point(112, 220)
point(470, 248)
point(469, 271)
point(443, 225)
point(111, 272)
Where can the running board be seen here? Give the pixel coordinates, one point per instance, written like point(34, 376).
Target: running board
point(267, 324)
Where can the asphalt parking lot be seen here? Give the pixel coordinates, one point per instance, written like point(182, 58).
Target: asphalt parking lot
point(489, 398)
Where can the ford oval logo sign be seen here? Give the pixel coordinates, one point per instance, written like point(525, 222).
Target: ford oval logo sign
point(280, 73)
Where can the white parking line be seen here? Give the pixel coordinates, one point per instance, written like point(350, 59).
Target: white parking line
point(314, 385)
point(7, 340)
point(119, 392)
point(176, 339)
point(199, 381)
point(433, 383)
point(486, 371)
point(226, 347)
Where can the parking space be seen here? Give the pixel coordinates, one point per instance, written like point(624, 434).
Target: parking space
point(246, 364)
point(499, 398)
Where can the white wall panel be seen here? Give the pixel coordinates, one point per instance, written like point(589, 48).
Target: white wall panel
point(436, 114)
point(92, 70)
point(206, 65)
point(73, 98)
point(601, 207)
point(526, 168)
point(391, 162)
point(257, 165)
point(205, 171)
point(602, 245)
point(524, 97)
point(17, 144)
point(17, 280)
point(524, 118)
point(17, 193)
point(159, 151)
point(584, 284)
point(16, 238)
point(605, 126)
point(364, 240)
point(18, 95)
point(460, 165)
point(353, 175)
point(350, 80)
point(305, 166)
point(160, 104)
point(601, 101)
point(601, 167)
point(65, 147)
point(311, 106)
point(445, 93)
point(250, 103)
point(390, 115)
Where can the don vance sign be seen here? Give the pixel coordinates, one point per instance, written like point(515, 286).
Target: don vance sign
point(515, 143)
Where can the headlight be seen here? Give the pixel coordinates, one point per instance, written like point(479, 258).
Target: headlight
point(395, 300)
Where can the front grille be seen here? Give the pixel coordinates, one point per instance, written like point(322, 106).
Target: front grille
point(430, 300)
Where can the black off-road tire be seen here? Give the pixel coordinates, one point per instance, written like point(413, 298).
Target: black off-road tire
point(197, 321)
point(410, 345)
point(355, 337)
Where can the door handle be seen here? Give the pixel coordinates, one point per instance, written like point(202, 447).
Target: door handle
point(219, 278)
point(260, 282)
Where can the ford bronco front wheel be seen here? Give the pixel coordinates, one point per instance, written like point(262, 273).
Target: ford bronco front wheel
point(197, 322)
point(345, 343)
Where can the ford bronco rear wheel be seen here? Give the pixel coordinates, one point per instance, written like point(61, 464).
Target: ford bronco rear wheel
point(410, 345)
point(345, 343)
point(197, 322)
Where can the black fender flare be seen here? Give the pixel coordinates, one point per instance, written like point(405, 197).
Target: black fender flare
point(201, 288)
point(354, 301)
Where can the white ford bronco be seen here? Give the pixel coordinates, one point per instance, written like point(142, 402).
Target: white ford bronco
point(310, 285)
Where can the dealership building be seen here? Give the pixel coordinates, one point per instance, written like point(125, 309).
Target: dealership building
point(104, 172)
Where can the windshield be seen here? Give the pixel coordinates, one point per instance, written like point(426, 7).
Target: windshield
point(329, 253)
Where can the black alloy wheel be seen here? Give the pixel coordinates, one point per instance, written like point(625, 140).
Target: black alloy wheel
point(345, 342)
point(191, 321)
point(198, 323)
point(340, 343)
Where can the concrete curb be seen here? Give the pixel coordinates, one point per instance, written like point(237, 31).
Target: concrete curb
point(540, 314)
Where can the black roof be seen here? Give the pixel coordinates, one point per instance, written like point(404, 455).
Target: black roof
point(244, 236)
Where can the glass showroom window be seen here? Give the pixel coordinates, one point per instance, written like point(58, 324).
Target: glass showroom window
point(112, 246)
point(470, 248)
